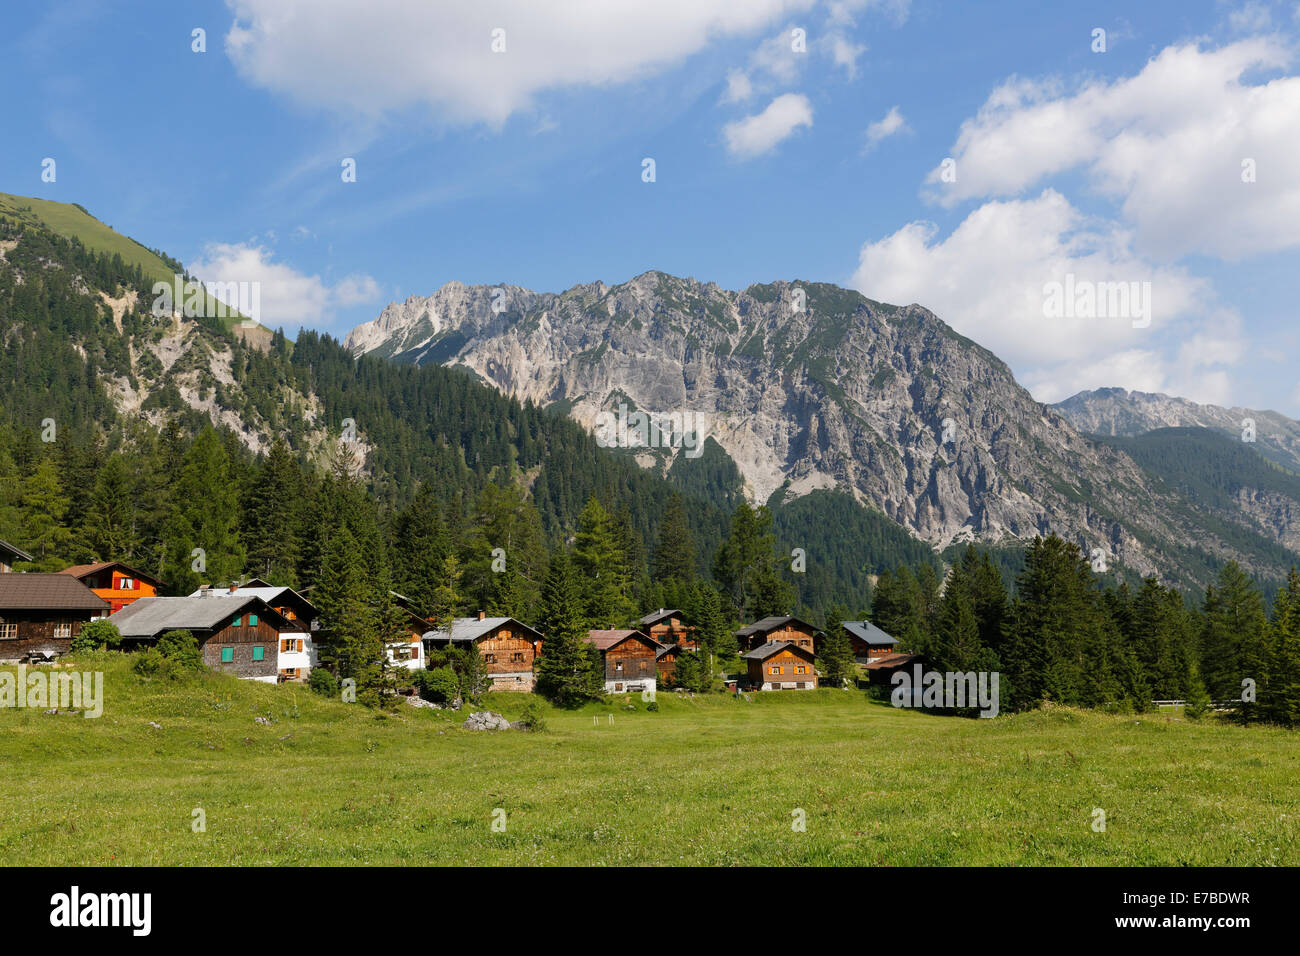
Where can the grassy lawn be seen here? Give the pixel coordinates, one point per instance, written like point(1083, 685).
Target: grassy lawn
point(710, 781)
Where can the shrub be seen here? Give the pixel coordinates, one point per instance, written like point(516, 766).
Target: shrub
point(534, 716)
point(96, 635)
point(323, 682)
point(653, 706)
point(182, 649)
point(439, 684)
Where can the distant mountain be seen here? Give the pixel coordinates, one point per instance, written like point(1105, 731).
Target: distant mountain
point(1118, 412)
point(807, 386)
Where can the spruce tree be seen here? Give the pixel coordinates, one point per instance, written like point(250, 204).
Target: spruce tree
point(569, 671)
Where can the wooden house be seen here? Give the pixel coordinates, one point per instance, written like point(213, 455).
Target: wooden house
point(297, 652)
point(40, 614)
point(773, 630)
point(666, 660)
point(668, 627)
point(509, 647)
point(881, 670)
point(239, 634)
point(869, 642)
point(780, 665)
point(629, 658)
point(115, 582)
point(9, 555)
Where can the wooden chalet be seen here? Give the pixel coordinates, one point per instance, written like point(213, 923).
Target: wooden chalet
point(668, 627)
point(40, 614)
point(773, 630)
point(117, 583)
point(9, 555)
point(297, 652)
point(239, 634)
point(869, 642)
point(781, 665)
point(666, 660)
point(509, 647)
point(882, 669)
point(629, 658)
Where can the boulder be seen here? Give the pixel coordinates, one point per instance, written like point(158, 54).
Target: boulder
point(486, 720)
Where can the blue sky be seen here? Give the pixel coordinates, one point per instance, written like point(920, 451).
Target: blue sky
point(525, 165)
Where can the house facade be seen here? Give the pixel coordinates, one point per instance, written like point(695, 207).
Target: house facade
point(781, 665)
point(771, 630)
point(509, 647)
point(238, 634)
point(629, 658)
point(115, 582)
point(668, 627)
point(40, 614)
point(666, 660)
point(869, 642)
point(298, 650)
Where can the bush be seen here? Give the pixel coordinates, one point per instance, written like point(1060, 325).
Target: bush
point(323, 682)
point(439, 684)
point(96, 635)
point(653, 706)
point(176, 656)
point(534, 716)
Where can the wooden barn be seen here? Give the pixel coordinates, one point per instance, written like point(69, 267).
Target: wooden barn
point(630, 660)
point(9, 555)
point(239, 634)
point(40, 614)
point(869, 642)
point(668, 627)
point(772, 630)
point(781, 665)
point(115, 582)
point(509, 647)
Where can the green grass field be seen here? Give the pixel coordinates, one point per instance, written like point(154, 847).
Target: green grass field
point(710, 781)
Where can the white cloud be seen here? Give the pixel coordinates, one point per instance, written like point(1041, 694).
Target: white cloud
point(739, 87)
point(1254, 17)
point(1168, 144)
point(988, 280)
point(383, 55)
point(845, 53)
point(755, 135)
point(892, 122)
point(288, 298)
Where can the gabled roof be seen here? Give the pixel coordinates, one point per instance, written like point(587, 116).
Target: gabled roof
point(47, 592)
point(890, 661)
point(773, 647)
point(271, 594)
point(772, 623)
point(7, 550)
point(868, 632)
point(665, 648)
point(605, 639)
point(83, 571)
point(149, 617)
point(655, 617)
point(465, 629)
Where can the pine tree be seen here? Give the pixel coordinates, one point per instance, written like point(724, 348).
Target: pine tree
point(569, 671)
point(273, 517)
point(602, 569)
point(835, 659)
point(44, 505)
point(674, 552)
point(745, 566)
point(1280, 695)
point(1234, 638)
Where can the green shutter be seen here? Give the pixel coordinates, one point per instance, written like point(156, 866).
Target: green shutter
point(259, 653)
point(252, 620)
point(237, 622)
point(227, 655)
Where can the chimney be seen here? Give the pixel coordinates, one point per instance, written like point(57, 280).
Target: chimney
point(481, 615)
point(233, 587)
point(204, 590)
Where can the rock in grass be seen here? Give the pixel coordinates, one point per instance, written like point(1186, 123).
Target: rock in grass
point(486, 720)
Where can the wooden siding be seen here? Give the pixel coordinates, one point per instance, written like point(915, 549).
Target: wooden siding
point(630, 659)
point(788, 634)
point(36, 630)
point(242, 640)
point(783, 668)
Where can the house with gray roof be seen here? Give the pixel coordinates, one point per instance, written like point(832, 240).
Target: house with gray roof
point(40, 614)
point(869, 642)
point(509, 647)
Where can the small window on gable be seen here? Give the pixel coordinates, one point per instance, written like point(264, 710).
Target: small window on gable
point(227, 655)
point(252, 620)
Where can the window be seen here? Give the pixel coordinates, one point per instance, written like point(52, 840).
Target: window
point(227, 655)
point(801, 669)
point(618, 666)
point(62, 628)
point(259, 652)
point(517, 657)
point(290, 645)
point(490, 658)
point(252, 620)
point(774, 669)
point(8, 632)
point(237, 622)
